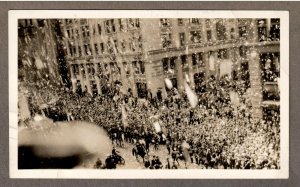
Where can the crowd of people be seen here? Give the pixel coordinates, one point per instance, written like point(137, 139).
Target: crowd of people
point(214, 134)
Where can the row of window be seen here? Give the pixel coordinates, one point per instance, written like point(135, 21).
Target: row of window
point(112, 46)
point(110, 26)
point(138, 68)
point(222, 34)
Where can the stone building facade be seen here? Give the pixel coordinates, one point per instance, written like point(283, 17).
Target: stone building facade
point(139, 54)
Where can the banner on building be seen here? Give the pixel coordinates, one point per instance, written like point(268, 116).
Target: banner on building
point(168, 83)
point(192, 97)
point(211, 63)
point(225, 67)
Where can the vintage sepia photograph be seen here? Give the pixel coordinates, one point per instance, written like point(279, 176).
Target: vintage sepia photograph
point(134, 92)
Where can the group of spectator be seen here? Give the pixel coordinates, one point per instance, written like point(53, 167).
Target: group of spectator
point(218, 134)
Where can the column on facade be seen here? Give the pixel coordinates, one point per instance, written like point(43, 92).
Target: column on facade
point(203, 31)
point(87, 80)
point(268, 27)
point(191, 71)
point(206, 61)
point(237, 63)
point(132, 80)
point(254, 30)
point(255, 80)
point(217, 65)
point(213, 30)
point(81, 77)
point(179, 76)
point(73, 78)
point(97, 80)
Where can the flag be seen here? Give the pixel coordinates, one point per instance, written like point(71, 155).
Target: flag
point(168, 83)
point(157, 126)
point(192, 97)
point(124, 116)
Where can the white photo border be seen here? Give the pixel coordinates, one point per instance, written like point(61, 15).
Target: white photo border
point(282, 173)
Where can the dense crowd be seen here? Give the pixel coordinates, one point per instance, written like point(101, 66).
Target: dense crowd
point(214, 134)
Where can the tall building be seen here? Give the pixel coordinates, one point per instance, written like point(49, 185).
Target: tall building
point(141, 53)
point(37, 51)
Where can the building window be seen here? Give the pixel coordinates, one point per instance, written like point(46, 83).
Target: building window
point(221, 30)
point(83, 31)
point(209, 35)
point(275, 29)
point(87, 49)
point(116, 46)
point(172, 63)
point(165, 62)
point(76, 69)
point(140, 43)
point(87, 30)
point(74, 50)
point(243, 32)
point(194, 59)
point(133, 23)
point(166, 40)
point(232, 34)
point(142, 66)
point(121, 25)
point(182, 38)
point(79, 51)
point(68, 34)
point(99, 29)
point(184, 60)
point(110, 26)
point(208, 23)
point(195, 36)
point(110, 47)
point(137, 23)
point(180, 22)
point(243, 51)
point(223, 54)
point(135, 67)
point(141, 89)
point(197, 58)
point(262, 29)
point(271, 66)
point(82, 70)
point(102, 47)
point(168, 64)
point(96, 48)
point(195, 21)
point(165, 22)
